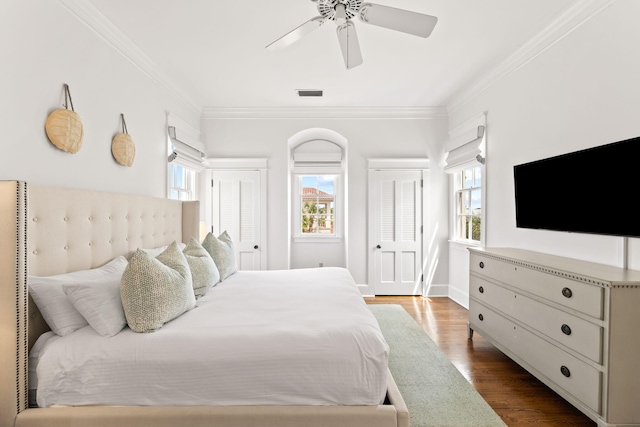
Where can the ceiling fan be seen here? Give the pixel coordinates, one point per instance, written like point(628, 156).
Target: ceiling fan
point(342, 11)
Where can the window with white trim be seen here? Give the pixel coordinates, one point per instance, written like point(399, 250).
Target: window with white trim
point(317, 201)
point(468, 204)
point(185, 154)
point(466, 163)
point(317, 180)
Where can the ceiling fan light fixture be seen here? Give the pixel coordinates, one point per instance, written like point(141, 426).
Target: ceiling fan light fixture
point(309, 92)
point(342, 12)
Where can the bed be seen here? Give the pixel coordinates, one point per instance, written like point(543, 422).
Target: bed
point(47, 230)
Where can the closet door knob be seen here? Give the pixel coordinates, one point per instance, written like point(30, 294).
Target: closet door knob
point(379, 247)
point(255, 247)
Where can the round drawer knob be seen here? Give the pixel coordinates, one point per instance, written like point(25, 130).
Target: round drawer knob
point(481, 290)
point(255, 247)
point(565, 371)
point(566, 329)
point(481, 264)
point(481, 317)
point(567, 293)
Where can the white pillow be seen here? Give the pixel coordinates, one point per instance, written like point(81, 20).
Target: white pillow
point(100, 304)
point(156, 290)
point(54, 305)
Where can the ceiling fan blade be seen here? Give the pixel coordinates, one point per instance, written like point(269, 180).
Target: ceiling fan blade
point(402, 20)
point(349, 45)
point(297, 33)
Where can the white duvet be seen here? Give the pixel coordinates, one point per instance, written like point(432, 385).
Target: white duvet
point(287, 337)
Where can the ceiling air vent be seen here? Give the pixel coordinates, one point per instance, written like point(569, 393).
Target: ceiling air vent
point(309, 92)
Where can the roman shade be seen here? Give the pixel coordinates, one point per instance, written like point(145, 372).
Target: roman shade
point(466, 145)
point(188, 150)
point(317, 156)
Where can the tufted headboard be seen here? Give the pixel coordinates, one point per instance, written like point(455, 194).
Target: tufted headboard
point(69, 230)
point(51, 230)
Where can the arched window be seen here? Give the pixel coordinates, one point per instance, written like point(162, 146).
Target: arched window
point(317, 190)
point(317, 199)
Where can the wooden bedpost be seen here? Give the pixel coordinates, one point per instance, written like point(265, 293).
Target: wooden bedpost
point(13, 301)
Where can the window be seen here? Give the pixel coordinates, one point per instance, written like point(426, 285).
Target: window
point(317, 204)
point(317, 191)
point(468, 204)
point(181, 182)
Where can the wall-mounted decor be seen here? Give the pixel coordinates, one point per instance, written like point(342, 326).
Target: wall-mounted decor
point(122, 146)
point(64, 127)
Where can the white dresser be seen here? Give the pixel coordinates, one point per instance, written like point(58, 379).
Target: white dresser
point(575, 325)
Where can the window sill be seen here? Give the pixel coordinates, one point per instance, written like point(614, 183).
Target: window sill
point(465, 243)
point(317, 239)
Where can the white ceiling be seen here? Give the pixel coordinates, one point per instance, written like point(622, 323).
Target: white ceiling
point(214, 50)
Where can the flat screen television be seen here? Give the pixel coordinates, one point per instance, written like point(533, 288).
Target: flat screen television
point(592, 191)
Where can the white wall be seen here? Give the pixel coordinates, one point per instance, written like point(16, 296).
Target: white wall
point(253, 136)
point(583, 91)
point(44, 45)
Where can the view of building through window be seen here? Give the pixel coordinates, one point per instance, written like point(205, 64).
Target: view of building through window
point(468, 199)
point(317, 202)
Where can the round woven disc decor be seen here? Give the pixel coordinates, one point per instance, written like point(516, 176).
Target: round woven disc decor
point(123, 149)
point(64, 130)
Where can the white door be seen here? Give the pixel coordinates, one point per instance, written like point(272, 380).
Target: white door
point(236, 208)
point(397, 245)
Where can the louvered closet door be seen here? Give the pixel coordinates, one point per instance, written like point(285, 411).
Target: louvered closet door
point(236, 209)
point(398, 232)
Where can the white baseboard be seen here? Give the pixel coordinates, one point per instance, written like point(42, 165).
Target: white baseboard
point(460, 297)
point(436, 291)
point(433, 291)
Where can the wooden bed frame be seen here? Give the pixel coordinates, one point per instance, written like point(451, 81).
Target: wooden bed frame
point(50, 230)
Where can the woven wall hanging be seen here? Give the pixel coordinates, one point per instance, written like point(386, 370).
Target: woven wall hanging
point(64, 127)
point(122, 146)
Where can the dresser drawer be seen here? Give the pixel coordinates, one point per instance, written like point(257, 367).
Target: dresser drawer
point(578, 334)
point(566, 371)
point(582, 297)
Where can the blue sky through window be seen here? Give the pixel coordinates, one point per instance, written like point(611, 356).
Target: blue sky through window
point(322, 183)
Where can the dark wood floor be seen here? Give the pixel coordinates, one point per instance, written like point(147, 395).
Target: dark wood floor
point(516, 396)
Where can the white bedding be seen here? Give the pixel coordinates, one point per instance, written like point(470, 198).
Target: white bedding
point(287, 337)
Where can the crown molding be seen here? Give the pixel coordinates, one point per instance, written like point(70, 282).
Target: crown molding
point(413, 163)
point(325, 113)
point(95, 20)
point(571, 19)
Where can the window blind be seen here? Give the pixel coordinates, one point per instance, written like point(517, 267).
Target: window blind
point(466, 146)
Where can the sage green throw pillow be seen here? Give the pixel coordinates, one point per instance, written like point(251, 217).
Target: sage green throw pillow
point(221, 250)
point(156, 290)
point(203, 270)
